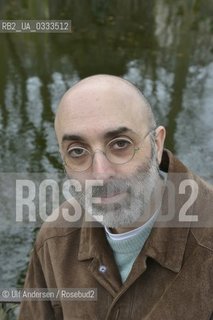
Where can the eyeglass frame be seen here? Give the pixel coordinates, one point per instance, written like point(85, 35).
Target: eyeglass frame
point(92, 154)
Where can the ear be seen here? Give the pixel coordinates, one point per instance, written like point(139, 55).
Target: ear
point(159, 141)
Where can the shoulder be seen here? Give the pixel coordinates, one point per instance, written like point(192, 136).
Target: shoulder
point(196, 197)
point(204, 237)
point(179, 172)
point(202, 207)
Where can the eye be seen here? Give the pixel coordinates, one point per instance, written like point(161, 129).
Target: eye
point(77, 152)
point(120, 144)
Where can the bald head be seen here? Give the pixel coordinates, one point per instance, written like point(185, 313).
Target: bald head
point(112, 87)
point(101, 110)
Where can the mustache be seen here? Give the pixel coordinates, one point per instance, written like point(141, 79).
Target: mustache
point(119, 185)
point(111, 188)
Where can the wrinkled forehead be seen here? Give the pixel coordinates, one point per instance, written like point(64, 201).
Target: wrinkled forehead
point(91, 108)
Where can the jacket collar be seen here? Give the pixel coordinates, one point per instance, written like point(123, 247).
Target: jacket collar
point(167, 247)
point(94, 247)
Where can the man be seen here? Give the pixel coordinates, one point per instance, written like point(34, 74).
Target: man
point(145, 240)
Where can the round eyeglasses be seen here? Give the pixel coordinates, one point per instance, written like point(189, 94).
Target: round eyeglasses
point(118, 151)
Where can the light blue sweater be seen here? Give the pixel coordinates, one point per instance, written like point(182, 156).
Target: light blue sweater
point(126, 250)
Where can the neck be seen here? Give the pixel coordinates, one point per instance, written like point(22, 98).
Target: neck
point(148, 213)
point(140, 222)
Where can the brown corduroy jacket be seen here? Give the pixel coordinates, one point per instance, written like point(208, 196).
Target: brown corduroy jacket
point(171, 279)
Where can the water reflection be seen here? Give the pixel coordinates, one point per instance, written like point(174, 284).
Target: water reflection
point(165, 47)
point(194, 141)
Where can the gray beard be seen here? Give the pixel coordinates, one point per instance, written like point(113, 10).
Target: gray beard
point(138, 188)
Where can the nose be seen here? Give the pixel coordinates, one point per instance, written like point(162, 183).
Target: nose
point(102, 168)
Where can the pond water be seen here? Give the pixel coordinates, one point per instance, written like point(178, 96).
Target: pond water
point(165, 47)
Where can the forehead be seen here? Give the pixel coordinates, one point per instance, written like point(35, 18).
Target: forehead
point(92, 110)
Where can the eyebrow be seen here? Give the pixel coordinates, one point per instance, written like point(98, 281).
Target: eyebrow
point(107, 135)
